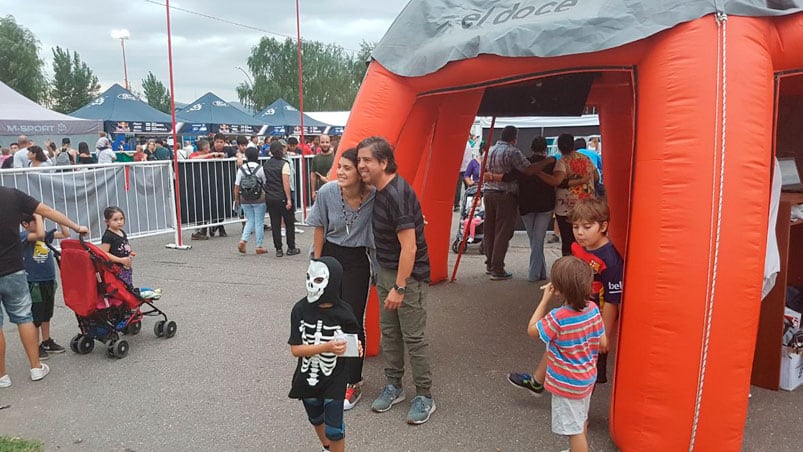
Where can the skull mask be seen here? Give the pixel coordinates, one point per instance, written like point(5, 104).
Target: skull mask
point(317, 280)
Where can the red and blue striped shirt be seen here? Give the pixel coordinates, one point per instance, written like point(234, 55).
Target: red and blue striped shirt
point(572, 339)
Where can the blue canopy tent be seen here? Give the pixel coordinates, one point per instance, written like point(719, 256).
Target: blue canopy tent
point(282, 119)
point(211, 114)
point(122, 112)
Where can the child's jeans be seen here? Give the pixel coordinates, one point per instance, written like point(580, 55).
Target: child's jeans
point(471, 227)
point(329, 412)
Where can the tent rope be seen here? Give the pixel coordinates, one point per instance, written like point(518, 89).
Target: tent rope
point(722, 66)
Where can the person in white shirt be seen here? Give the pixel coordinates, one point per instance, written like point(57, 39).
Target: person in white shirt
point(106, 155)
point(21, 156)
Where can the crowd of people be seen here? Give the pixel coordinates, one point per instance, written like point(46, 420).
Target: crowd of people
point(369, 229)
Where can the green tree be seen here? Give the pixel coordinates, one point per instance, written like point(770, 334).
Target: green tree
point(73, 85)
point(156, 93)
point(21, 67)
point(332, 76)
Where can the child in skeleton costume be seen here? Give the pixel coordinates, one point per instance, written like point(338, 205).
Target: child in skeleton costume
point(320, 379)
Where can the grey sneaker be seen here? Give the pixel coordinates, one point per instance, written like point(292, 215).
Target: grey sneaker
point(420, 411)
point(5, 381)
point(40, 372)
point(390, 396)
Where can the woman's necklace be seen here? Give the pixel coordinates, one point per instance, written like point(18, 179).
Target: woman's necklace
point(350, 220)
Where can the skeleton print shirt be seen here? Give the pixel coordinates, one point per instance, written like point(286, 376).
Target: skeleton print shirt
point(320, 376)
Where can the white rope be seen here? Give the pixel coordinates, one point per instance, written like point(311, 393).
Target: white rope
point(722, 66)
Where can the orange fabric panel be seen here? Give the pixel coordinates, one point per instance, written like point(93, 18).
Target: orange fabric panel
point(415, 140)
point(745, 207)
point(613, 96)
point(785, 42)
point(438, 173)
point(673, 257)
point(381, 108)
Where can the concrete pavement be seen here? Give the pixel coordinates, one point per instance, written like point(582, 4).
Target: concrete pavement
point(221, 384)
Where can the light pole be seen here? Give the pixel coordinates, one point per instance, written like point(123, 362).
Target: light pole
point(123, 35)
point(250, 82)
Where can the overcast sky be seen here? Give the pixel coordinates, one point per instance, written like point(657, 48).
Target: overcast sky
point(206, 52)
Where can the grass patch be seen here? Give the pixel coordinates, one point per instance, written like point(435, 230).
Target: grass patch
point(20, 445)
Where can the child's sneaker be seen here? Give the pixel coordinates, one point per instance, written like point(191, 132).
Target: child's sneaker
point(421, 409)
point(390, 396)
point(51, 346)
point(40, 372)
point(353, 395)
point(5, 381)
point(526, 381)
point(43, 353)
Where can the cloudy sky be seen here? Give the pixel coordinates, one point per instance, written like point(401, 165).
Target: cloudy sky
point(206, 51)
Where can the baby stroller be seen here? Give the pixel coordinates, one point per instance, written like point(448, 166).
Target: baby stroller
point(104, 305)
point(472, 227)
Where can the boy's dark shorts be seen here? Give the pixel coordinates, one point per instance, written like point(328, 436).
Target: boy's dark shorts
point(43, 295)
point(329, 412)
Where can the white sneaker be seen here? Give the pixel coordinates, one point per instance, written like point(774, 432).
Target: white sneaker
point(299, 231)
point(283, 233)
point(40, 373)
point(5, 381)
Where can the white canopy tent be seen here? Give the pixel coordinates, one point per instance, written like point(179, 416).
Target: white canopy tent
point(22, 116)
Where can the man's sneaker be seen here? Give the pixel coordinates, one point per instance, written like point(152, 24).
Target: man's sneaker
point(420, 411)
point(526, 381)
point(51, 346)
point(353, 395)
point(293, 251)
point(390, 396)
point(299, 231)
point(198, 236)
point(501, 276)
point(5, 381)
point(43, 353)
point(40, 372)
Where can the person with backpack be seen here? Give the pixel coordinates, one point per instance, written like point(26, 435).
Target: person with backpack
point(249, 194)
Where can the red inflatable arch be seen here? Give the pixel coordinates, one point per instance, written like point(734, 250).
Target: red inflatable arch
point(687, 117)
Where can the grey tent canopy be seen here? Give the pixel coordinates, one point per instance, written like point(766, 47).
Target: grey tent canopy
point(285, 119)
point(429, 34)
point(22, 116)
point(211, 114)
point(122, 112)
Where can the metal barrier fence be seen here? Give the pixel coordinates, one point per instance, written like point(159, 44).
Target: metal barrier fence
point(146, 192)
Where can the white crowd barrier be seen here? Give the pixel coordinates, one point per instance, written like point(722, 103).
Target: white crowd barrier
point(146, 192)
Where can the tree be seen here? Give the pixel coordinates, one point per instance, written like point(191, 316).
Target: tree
point(156, 93)
point(21, 67)
point(332, 77)
point(73, 85)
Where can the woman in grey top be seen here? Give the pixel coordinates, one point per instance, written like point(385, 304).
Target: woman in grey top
point(342, 216)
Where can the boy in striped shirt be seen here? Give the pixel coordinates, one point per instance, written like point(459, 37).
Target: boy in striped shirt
point(573, 334)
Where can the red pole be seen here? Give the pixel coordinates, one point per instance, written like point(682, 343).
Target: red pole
point(173, 125)
point(476, 199)
point(301, 114)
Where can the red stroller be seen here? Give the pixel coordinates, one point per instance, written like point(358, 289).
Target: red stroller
point(104, 305)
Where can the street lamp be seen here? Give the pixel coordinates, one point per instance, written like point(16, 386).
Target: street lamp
point(250, 82)
point(122, 35)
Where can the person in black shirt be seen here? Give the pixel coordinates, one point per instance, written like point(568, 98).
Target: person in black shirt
point(318, 324)
point(536, 205)
point(14, 294)
point(402, 278)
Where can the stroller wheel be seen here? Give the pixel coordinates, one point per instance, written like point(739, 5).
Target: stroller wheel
point(119, 349)
point(456, 246)
point(158, 328)
point(170, 329)
point(85, 345)
point(133, 328)
point(74, 343)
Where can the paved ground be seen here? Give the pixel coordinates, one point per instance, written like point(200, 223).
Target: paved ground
point(221, 384)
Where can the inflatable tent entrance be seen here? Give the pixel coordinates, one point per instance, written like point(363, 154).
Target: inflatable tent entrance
point(687, 108)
